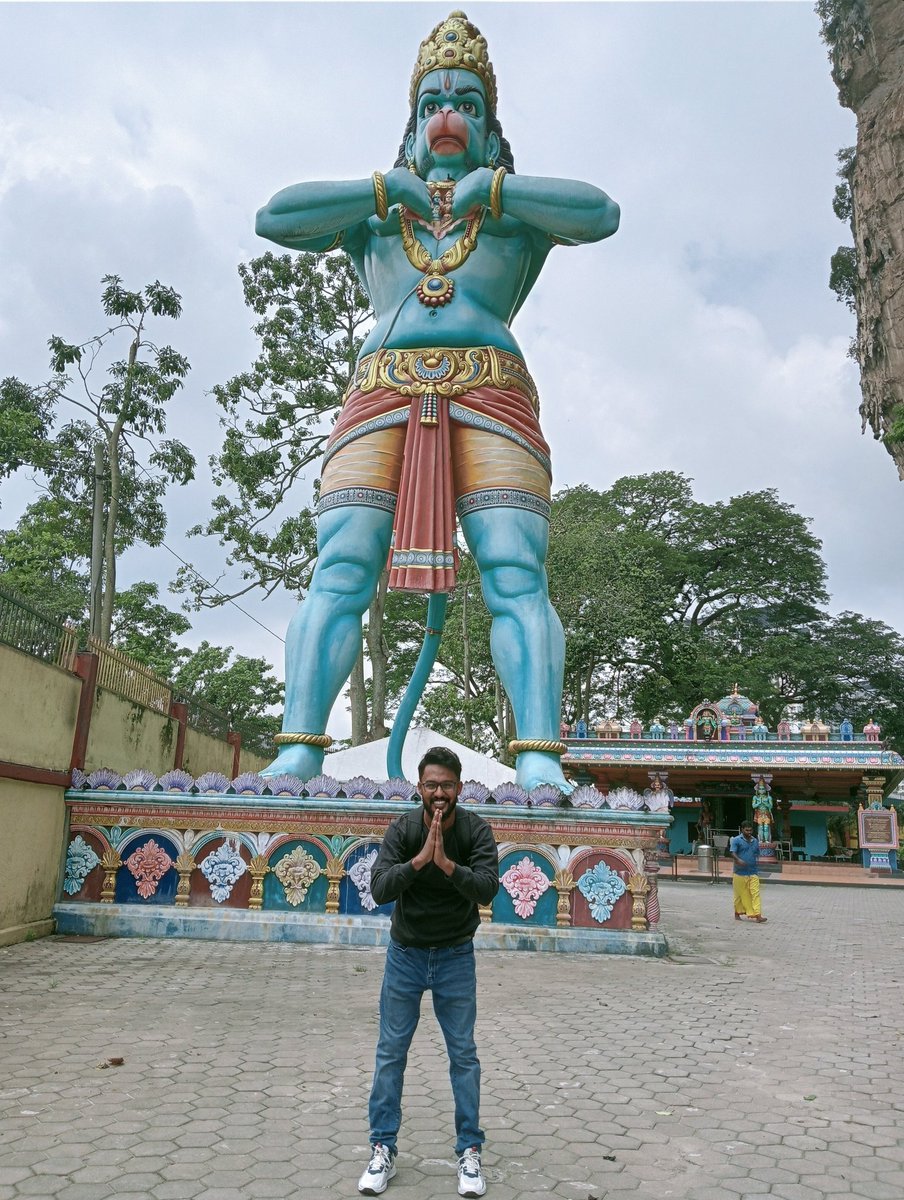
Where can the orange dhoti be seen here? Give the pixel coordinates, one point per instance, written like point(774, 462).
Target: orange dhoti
point(430, 458)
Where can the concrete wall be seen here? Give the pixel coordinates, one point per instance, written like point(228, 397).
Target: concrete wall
point(38, 716)
point(32, 821)
point(125, 735)
point(38, 707)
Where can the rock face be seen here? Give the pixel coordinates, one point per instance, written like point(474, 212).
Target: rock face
point(866, 40)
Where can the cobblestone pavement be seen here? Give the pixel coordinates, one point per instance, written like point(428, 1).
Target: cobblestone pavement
point(757, 1061)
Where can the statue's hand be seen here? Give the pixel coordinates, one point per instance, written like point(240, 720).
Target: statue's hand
point(472, 192)
point(410, 190)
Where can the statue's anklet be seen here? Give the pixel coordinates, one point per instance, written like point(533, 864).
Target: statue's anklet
point(303, 739)
point(521, 747)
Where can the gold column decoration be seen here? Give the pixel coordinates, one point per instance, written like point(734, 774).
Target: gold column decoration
point(486, 912)
point(874, 785)
point(564, 882)
point(185, 864)
point(258, 868)
point(111, 862)
point(639, 887)
point(335, 873)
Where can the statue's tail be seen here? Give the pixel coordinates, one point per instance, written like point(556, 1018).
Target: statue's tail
point(436, 619)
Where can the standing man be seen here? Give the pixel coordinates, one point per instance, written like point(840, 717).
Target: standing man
point(438, 863)
point(745, 854)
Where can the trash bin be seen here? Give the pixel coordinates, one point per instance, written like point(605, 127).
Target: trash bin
point(705, 860)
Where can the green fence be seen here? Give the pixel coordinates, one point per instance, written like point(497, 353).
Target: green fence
point(27, 629)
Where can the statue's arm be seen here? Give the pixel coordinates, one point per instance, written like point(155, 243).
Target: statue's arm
point(310, 216)
point(563, 209)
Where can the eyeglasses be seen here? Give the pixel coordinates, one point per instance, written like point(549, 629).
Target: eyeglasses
point(446, 785)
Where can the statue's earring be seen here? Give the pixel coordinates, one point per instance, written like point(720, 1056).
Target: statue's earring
point(492, 163)
point(409, 163)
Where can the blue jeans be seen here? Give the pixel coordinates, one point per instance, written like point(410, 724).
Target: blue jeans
point(450, 975)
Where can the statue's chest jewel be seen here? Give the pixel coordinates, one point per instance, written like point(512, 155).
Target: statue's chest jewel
point(436, 288)
point(440, 227)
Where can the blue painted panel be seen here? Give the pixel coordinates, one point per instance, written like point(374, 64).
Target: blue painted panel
point(349, 895)
point(274, 892)
point(504, 905)
point(815, 828)
point(126, 891)
point(680, 832)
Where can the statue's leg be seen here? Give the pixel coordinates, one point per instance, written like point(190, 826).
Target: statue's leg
point(324, 636)
point(526, 638)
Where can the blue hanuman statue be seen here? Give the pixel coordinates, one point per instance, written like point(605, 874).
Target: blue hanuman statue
point(440, 421)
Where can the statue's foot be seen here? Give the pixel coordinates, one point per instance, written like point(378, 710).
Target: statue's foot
point(302, 761)
point(534, 767)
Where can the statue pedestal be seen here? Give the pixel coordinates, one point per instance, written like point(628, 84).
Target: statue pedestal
point(288, 868)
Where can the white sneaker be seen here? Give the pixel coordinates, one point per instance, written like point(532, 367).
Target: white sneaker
point(470, 1180)
point(380, 1170)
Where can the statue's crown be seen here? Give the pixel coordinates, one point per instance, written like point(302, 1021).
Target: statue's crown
point(457, 44)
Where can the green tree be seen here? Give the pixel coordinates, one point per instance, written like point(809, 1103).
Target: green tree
point(147, 630)
point(245, 689)
point(663, 599)
point(276, 418)
point(24, 415)
point(44, 560)
point(92, 469)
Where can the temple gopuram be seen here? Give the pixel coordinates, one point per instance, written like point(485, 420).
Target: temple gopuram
point(722, 765)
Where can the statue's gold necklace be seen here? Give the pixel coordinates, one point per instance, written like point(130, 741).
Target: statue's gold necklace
point(436, 289)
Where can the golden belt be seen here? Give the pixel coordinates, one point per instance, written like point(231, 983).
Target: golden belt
point(444, 371)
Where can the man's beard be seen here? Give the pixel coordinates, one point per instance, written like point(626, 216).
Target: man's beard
point(447, 804)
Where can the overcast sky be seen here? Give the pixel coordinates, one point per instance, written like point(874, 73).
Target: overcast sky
point(140, 139)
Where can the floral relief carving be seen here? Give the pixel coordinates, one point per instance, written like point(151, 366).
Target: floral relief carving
point(525, 883)
point(149, 863)
point(601, 887)
point(296, 872)
point(80, 862)
point(359, 874)
point(222, 869)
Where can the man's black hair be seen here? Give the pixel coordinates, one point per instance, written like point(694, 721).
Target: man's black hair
point(440, 756)
point(505, 158)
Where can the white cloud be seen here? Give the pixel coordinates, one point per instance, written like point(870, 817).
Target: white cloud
point(701, 338)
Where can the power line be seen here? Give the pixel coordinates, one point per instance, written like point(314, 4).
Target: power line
point(227, 599)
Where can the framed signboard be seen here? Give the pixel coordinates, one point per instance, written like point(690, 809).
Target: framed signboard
point(878, 828)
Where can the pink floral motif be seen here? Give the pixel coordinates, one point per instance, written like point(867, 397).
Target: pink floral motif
point(525, 883)
point(149, 863)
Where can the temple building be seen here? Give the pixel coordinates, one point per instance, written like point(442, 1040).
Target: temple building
point(722, 765)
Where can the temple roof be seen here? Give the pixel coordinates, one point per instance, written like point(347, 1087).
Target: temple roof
point(737, 707)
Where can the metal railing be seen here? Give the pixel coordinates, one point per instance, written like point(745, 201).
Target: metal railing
point(33, 632)
point(118, 672)
point(204, 718)
point(27, 629)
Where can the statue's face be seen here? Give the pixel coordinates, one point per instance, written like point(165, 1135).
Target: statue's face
point(451, 133)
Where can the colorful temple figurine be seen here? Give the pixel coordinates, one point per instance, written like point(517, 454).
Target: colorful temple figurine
point(580, 730)
point(674, 731)
point(657, 730)
point(762, 810)
point(448, 243)
point(564, 730)
point(759, 731)
point(783, 730)
point(846, 731)
point(635, 729)
point(871, 730)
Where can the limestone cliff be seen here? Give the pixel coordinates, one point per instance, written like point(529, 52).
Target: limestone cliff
point(866, 43)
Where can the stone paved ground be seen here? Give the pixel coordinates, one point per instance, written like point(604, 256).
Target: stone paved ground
point(758, 1061)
